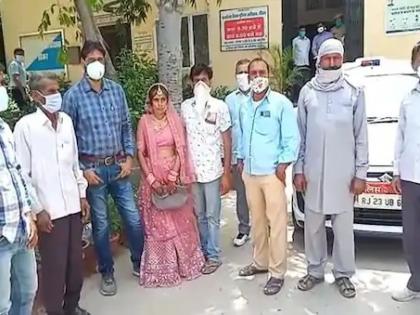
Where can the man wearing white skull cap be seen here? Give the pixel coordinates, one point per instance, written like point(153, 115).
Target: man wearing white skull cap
point(332, 166)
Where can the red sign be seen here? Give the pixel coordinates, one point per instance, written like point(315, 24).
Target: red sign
point(244, 28)
point(380, 188)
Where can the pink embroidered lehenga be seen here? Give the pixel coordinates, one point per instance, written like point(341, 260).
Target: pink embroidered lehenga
point(172, 250)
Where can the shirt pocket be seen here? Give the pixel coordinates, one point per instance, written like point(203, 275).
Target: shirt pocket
point(210, 122)
point(67, 149)
point(265, 124)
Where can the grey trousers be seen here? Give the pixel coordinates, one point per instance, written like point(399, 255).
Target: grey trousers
point(242, 210)
point(411, 234)
point(316, 244)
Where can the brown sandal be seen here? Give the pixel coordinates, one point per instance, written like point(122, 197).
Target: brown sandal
point(251, 270)
point(308, 282)
point(346, 287)
point(210, 267)
point(273, 286)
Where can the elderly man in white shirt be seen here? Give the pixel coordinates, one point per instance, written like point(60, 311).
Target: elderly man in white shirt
point(407, 182)
point(47, 149)
point(208, 125)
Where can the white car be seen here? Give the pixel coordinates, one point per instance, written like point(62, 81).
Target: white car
point(386, 83)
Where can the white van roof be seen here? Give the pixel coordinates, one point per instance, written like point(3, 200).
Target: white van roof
point(378, 66)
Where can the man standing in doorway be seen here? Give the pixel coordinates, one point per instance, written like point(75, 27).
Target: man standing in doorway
point(339, 28)
point(322, 36)
point(18, 234)
point(102, 123)
point(18, 79)
point(332, 166)
point(235, 100)
point(301, 46)
point(207, 121)
point(47, 149)
point(268, 142)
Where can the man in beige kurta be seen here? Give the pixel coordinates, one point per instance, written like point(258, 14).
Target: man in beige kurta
point(332, 165)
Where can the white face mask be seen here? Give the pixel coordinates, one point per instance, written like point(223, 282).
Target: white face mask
point(242, 81)
point(4, 99)
point(53, 102)
point(20, 58)
point(328, 76)
point(201, 93)
point(95, 70)
point(320, 29)
point(259, 84)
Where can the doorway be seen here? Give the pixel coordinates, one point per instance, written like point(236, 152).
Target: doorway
point(310, 12)
point(117, 37)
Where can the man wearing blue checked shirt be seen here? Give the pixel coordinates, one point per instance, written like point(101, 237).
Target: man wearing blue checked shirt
point(102, 123)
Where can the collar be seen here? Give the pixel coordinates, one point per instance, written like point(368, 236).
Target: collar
point(268, 96)
point(43, 119)
point(417, 87)
point(239, 92)
point(2, 123)
point(87, 87)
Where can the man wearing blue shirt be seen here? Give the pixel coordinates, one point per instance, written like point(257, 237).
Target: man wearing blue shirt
point(234, 101)
point(268, 142)
point(102, 124)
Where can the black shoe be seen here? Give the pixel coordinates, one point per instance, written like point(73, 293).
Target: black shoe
point(78, 311)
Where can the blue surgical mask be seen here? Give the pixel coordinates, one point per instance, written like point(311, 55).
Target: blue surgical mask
point(302, 34)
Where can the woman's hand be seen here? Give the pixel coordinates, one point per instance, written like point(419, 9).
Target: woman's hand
point(158, 188)
point(171, 187)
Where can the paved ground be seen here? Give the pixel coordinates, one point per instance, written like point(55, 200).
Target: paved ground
point(381, 268)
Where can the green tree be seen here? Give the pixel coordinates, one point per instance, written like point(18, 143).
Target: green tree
point(133, 11)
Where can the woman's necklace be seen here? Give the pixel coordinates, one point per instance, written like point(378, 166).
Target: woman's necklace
point(159, 124)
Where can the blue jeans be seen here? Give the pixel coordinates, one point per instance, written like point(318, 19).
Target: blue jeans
point(208, 204)
point(18, 277)
point(121, 191)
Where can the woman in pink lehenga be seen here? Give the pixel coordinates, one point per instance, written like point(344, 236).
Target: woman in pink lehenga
point(172, 248)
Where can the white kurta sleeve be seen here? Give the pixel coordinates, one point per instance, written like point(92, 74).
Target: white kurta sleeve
point(361, 137)
point(301, 120)
point(399, 140)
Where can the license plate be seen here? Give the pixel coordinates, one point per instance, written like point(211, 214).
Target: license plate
point(378, 201)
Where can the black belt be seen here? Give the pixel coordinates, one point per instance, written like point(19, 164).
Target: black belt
point(107, 161)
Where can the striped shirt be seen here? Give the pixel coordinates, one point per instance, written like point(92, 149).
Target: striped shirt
point(16, 197)
point(101, 119)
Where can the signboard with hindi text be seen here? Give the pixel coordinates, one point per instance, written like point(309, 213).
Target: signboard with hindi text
point(402, 16)
point(244, 29)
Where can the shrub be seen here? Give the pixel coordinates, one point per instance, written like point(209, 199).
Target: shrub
point(221, 92)
point(12, 115)
point(285, 77)
point(136, 73)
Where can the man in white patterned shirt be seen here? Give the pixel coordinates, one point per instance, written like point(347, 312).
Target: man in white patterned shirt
point(208, 125)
